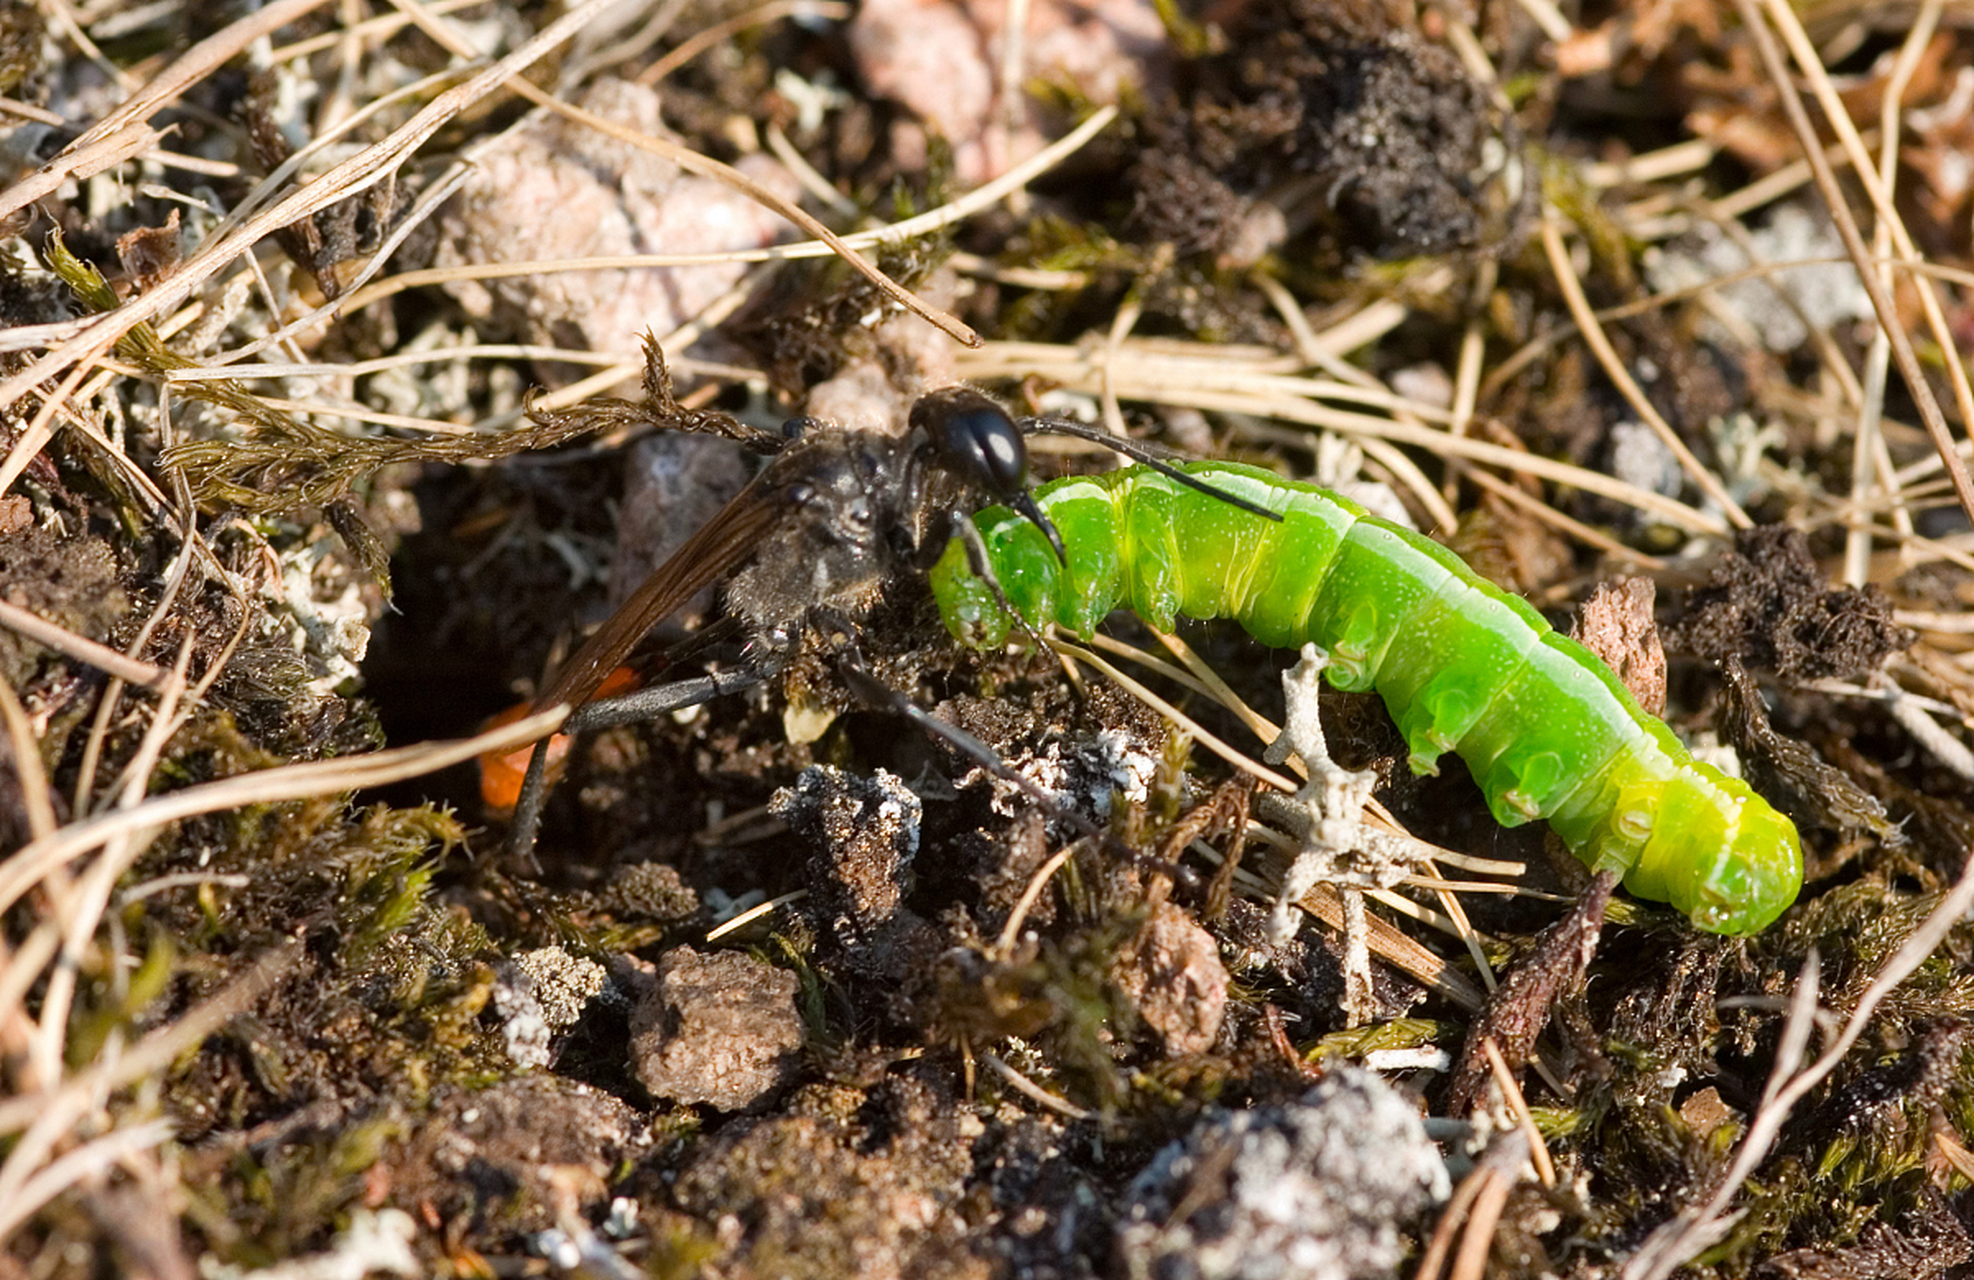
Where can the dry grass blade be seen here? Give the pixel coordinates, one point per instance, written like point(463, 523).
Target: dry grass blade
point(1871, 462)
point(982, 197)
point(1840, 213)
point(29, 775)
point(93, 1159)
point(372, 165)
point(1401, 950)
point(162, 1045)
point(48, 1117)
point(1202, 678)
point(1011, 932)
point(80, 162)
point(271, 786)
point(1511, 1094)
point(1388, 942)
point(719, 32)
point(1211, 742)
point(41, 429)
point(1471, 1216)
point(195, 64)
point(749, 916)
point(1223, 380)
point(81, 648)
point(1607, 357)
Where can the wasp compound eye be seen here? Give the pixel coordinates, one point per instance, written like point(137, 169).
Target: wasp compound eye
point(976, 438)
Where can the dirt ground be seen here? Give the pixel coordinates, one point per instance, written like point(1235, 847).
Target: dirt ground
point(360, 361)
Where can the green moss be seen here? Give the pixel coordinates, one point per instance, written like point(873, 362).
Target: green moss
point(1397, 1033)
point(117, 1001)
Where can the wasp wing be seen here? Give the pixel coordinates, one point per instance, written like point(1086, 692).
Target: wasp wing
point(720, 546)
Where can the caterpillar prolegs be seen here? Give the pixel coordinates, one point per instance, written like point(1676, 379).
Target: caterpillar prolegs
point(1463, 667)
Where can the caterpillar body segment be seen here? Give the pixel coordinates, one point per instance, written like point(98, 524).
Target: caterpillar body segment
point(1463, 667)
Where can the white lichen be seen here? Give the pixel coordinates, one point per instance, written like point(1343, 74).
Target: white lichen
point(318, 603)
point(1340, 847)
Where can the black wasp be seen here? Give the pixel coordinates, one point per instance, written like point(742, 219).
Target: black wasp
point(810, 544)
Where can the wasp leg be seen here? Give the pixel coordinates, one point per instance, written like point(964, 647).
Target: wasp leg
point(631, 708)
point(980, 561)
point(862, 682)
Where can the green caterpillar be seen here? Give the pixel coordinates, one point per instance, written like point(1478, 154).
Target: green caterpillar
point(1545, 728)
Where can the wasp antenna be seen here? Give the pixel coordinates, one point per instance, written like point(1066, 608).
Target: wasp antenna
point(1025, 504)
point(1141, 454)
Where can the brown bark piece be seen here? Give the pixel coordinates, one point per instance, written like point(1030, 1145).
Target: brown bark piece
point(1520, 1006)
point(1616, 624)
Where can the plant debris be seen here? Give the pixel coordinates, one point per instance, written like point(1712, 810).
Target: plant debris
point(1767, 606)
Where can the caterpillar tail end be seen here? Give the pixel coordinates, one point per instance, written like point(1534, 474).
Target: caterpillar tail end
point(1753, 882)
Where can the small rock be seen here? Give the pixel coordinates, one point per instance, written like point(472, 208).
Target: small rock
point(1641, 459)
point(1318, 1190)
point(940, 60)
point(514, 1150)
point(524, 1027)
point(1175, 977)
point(1777, 302)
point(563, 983)
point(557, 189)
point(865, 832)
point(720, 1029)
